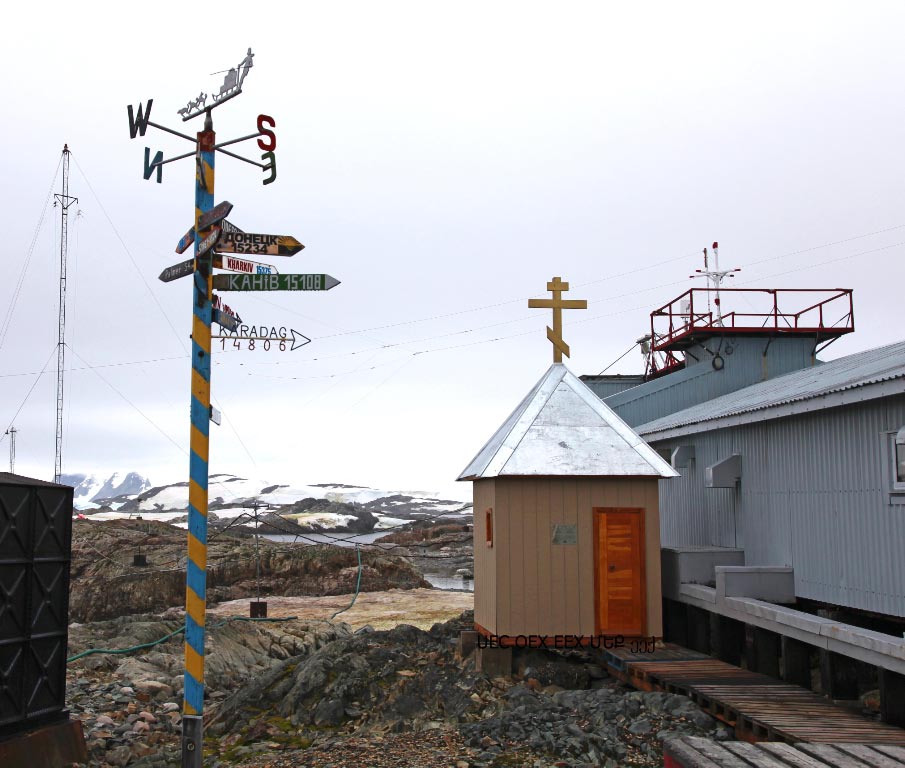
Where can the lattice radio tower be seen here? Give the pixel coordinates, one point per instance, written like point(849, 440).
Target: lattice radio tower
point(64, 200)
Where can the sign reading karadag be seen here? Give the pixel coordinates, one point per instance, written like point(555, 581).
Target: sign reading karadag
point(263, 337)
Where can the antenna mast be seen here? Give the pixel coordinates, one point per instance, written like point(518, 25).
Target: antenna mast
point(65, 201)
point(12, 450)
point(715, 279)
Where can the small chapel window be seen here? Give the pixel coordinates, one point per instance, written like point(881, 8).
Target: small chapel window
point(488, 526)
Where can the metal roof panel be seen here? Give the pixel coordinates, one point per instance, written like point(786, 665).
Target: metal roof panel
point(563, 428)
point(873, 366)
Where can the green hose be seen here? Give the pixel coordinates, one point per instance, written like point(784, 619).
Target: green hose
point(117, 651)
point(357, 586)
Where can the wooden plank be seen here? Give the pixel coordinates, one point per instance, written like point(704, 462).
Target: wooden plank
point(502, 522)
point(891, 751)
point(557, 557)
point(571, 573)
point(869, 756)
point(544, 558)
point(754, 755)
point(586, 561)
point(832, 756)
point(517, 623)
point(717, 752)
point(789, 755)
point(687, 756)
point(530, 576)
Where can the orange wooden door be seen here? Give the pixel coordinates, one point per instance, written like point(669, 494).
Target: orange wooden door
point(620, 571)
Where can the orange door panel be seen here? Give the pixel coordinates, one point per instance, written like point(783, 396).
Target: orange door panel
point(620, 571)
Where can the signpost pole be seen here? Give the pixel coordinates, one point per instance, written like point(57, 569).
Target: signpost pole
point(196, 575)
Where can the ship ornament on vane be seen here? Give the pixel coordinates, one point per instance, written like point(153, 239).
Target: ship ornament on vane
point(232, 86)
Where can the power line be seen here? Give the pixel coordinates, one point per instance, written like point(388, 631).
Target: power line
point(128, 253)
point(7, 319)
point(28, 394)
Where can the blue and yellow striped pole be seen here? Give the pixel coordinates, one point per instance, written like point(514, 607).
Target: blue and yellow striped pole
point(196, 576)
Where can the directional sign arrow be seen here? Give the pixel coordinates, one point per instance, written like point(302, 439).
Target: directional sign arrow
point(274, 282)
point(259, 245)
point(296, 340)
point(235, 264)
point(224, 319)
point(228, 226)
point(209, 242)
point(215, 215)
point(182, 269)
point(188, 239)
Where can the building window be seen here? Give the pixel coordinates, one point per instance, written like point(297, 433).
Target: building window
point(898, 460)
point(488, 526)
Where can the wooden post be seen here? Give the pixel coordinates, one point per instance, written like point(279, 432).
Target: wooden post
point(196, 570)
point(892, 697)
point(730, 640)
point(766, 652)
point(796, 662)
point(838, 676)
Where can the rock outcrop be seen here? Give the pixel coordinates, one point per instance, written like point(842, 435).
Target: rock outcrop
point(105, 582)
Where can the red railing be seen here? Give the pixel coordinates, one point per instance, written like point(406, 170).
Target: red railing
point(703, 311)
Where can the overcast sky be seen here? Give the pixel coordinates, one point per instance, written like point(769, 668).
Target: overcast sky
point(443, 161)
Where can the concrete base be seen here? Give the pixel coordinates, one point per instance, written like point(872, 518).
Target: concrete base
point(892, 698)
point(257, 609)
point(772, 583)
point(468, 639)
point(494, 662)
point(796, 662)
point(694, 565)
point(52, 746)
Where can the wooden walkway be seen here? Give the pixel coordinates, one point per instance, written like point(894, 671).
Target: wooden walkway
point(691, 752)
point(758, 707)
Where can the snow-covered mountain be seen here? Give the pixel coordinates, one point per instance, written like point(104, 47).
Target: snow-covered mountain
point(231, 496)
point(89, 489)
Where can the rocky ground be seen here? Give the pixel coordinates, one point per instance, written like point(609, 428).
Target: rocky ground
point(308, 692)
point(106, 583)
point(382, 685)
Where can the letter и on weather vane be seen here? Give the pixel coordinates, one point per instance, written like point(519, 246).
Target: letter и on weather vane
point(232, 86)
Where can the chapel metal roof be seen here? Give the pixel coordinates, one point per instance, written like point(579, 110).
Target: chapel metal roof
point(563, 429)
point(821, 386)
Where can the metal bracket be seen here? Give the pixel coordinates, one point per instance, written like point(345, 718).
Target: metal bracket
point(192, 740)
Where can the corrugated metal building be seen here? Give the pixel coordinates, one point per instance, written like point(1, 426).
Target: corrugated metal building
point(784, 536)
point(817, 486)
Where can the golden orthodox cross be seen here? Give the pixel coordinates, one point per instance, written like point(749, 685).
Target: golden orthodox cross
point(557, 304)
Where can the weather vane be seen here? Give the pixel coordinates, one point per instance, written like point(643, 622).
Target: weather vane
point(232, 86)
point(557, 304)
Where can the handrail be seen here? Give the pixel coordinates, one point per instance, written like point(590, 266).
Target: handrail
point(682, 319)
